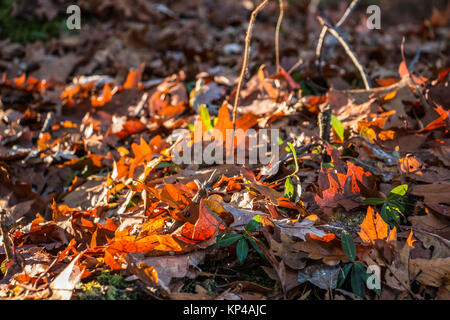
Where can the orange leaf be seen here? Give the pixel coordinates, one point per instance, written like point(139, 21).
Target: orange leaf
point(206, 226)
point(104, 98)
point(410, 240)
point(386, 82)
point(134, 77)
point(174, 196)
point(273, 93)
point(386, 135)
point(129, 128)
point(374, 227)
point(409, 164)
point(391, 95)
point(42, 142)
point(439, 122)
point(326, 238)
point(149, 271)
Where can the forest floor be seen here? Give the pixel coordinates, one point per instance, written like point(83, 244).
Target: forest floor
point(94, 204)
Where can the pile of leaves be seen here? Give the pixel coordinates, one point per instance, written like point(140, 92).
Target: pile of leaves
point(93, 205)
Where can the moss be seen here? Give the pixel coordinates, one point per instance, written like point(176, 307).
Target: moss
point(23, 30)
point(352, 221)
point(107, 286)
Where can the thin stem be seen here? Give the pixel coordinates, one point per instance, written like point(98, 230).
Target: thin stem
point(277, 35)
point(349, 52)
point(323, 34)
point(248, 38)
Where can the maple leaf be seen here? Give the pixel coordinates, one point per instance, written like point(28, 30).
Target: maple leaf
point(374, 227)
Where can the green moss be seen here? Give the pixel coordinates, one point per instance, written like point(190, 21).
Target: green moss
point(352, 221)
point(107, 286)
point(23, 30)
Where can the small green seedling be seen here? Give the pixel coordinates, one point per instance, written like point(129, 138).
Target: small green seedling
point(204, 114)
point(337, 127)
point(358, 272)
point(242, 240)
point(393, 206)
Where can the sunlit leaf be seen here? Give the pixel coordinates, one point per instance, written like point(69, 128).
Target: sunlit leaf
point(337, 127)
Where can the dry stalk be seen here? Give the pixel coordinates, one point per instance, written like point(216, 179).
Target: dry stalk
point(277, 35)
point(323, 34)
point(349, 52)
point(4, 230)
point(248, 38)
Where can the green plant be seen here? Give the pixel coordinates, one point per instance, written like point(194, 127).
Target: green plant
point(393, 205)
point(24, 30)
point(358, 272)
point(337, 127)
point(204, 114)
point(107, 286)
point(242, 239)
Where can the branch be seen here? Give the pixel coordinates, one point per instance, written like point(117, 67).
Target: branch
point(277, 35)
point(349, 52)
point(323, 34)
point(248, 38)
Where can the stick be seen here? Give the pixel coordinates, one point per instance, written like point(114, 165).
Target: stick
point(4, 230)
point(277, 35)
point(349, 52)
point(248, 37)
point(323, 34)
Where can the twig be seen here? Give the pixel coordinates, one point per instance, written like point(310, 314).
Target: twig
point(402, 284)
point(349, 52)
point(324, 120)
point(248, 38)
point(5, 234)
point(277, 35)
point(323, 34)
point(295, 66)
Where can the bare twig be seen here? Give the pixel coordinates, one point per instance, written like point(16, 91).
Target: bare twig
point(323, 34)
point(4, 229)
point(324, 122)
point(295, 66)
point(349, 52)
point(248, 38)
point(277, 35)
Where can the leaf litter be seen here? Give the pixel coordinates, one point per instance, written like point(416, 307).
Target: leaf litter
point(89, 185)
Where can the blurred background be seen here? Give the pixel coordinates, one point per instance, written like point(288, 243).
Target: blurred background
point(208, 36)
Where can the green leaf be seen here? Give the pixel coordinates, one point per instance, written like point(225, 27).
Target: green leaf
point(3, 266)
point(357, 281)
point(374, 201)
point(257, 218)
point(390, 214)
point(348, 245)
point(328, 165)
point(204, 114)
point(242, 250)
point(398, 192)
point(294, 153)
point(255, 245)
point(289, 188)
point(343, 273)
point(280, 141)
point(337, 127)
point(253, 225)
point(228, 239)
